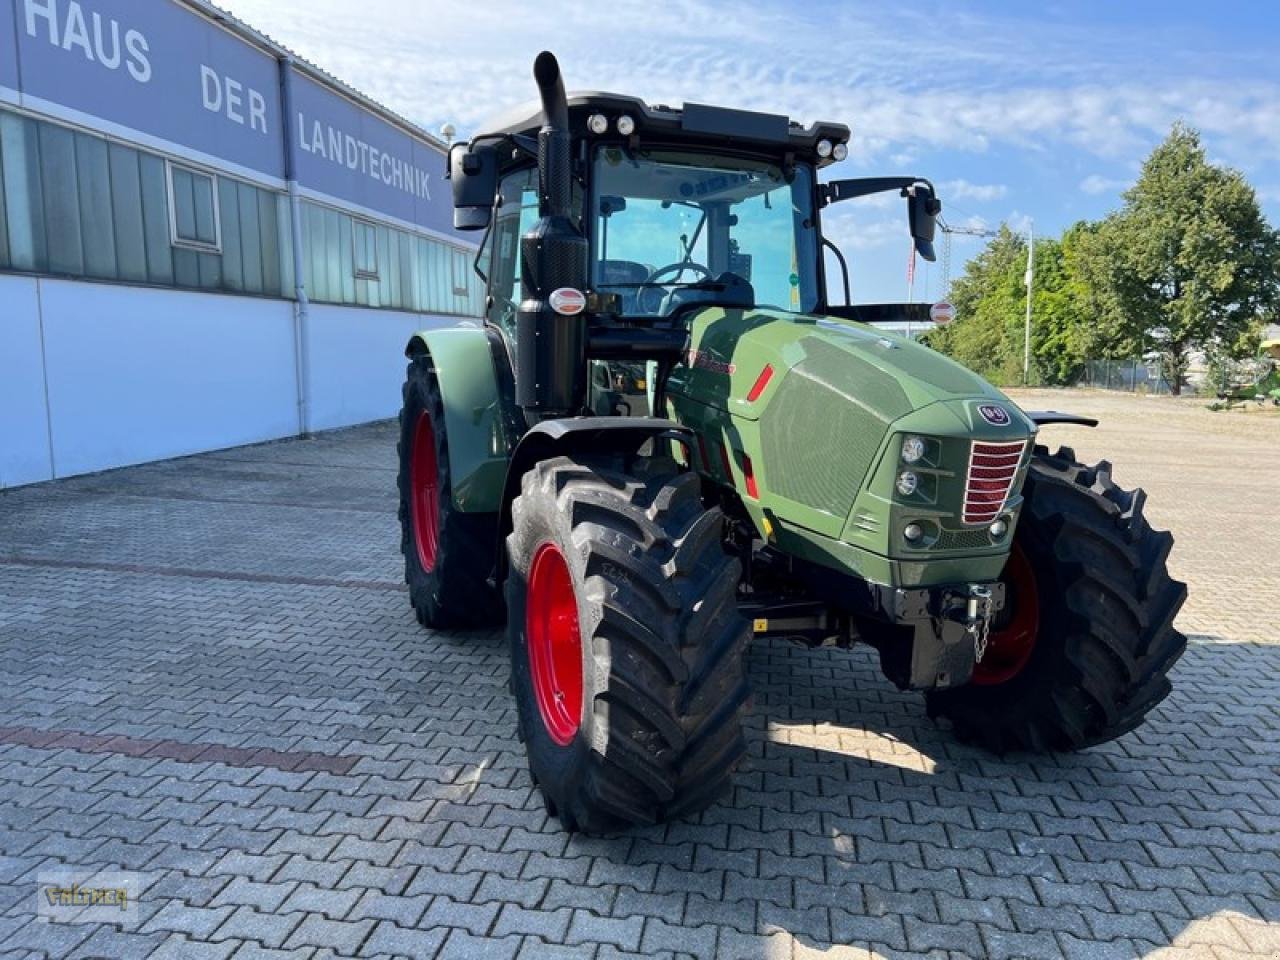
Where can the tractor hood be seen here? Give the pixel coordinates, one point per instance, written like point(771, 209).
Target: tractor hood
point(894, 376)
point(815, 408)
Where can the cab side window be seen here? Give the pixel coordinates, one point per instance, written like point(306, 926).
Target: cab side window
point(517, 212)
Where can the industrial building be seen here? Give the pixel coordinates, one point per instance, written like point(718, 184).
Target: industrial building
point(204, 241)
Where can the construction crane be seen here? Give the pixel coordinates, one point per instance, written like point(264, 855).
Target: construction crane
point(947, 231)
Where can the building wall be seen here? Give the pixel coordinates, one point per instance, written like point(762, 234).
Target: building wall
point(97, 375)
point(24, 414)
point(137, 374)
point(356, 362)
point(147, 289)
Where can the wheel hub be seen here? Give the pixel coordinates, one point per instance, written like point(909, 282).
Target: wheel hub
point(424, 481)
point(554, 644)
point(1013, 637)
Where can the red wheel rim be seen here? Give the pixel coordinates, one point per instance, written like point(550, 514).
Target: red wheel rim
point(555, 645)
point(424, 481)
point(1009, 647)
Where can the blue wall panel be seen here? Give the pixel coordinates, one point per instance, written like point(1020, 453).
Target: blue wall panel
point(352, 154)
point(8, 47)
point(158, 68)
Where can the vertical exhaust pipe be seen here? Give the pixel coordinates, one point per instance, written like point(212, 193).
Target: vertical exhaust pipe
point(551, 328)
point(553, 138)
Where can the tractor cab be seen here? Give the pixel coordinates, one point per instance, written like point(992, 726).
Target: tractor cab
point(674, 208)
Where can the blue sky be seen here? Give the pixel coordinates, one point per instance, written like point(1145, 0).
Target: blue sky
point(1018, 111)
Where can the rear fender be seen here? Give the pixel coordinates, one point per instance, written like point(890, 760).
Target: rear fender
point(465, 360)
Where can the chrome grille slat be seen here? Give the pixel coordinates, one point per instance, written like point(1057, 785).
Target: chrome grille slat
point(993, 466)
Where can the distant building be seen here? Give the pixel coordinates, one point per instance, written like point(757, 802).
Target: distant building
point(203, 241)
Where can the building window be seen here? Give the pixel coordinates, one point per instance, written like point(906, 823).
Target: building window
point(193, 209)
point(364, 243)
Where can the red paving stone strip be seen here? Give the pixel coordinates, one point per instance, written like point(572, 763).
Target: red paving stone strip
point(302, 761)
point(158, 571)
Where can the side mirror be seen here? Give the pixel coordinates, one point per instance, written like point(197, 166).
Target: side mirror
point(473, 171)
point(922, 214)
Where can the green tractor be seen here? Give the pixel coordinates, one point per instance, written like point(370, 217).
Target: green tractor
point(663, 440)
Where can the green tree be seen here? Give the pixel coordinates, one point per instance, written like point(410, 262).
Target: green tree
point(990, 299)
point(1188, 263)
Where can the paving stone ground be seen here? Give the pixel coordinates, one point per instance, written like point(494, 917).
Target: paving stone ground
point(210, 675)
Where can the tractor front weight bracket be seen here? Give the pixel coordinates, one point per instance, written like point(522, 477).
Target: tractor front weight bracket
point(940, 632)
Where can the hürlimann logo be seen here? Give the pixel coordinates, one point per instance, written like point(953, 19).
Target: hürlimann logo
point(994, 414)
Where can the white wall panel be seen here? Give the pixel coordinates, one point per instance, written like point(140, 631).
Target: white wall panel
point(139, 374)
point(24, 423)
point(356, 362)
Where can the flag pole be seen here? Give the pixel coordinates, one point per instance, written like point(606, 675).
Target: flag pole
point(1030, 279)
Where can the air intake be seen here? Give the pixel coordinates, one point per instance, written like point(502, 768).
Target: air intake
point(992, 470)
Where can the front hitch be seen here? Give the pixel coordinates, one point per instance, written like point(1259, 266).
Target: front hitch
point(938, 633)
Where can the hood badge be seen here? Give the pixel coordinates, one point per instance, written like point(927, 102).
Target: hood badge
point(994, 414)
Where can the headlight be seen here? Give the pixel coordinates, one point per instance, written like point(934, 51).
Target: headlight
point(824, 148)
point(626, 126)
point(912, 532)
point(912, 449)
point(597, 123)
point(840, 151)
point(907, 483)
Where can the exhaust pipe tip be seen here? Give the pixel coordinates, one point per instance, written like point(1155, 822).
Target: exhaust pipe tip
point(546, 74)
point(546, 69)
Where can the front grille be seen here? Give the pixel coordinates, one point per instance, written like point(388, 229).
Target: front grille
point(963, 539)
point(992, 470)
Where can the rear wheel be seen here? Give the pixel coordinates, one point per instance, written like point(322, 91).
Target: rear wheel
point(1082, 651)
point(626, 642)
point(448, 555)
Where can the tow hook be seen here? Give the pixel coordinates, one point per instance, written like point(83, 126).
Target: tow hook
point(979, 610)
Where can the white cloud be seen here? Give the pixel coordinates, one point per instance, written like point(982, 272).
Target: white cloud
point(853, 229)
point(1019, 222)
point(1096, 183)
point(964, 190)
point(994, 82)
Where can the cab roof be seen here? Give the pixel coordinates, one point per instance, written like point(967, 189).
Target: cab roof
point(693, 123)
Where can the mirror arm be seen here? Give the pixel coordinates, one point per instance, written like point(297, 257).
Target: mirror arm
point(837, 190)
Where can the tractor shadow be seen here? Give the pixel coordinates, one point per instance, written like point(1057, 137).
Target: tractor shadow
point(859, 821)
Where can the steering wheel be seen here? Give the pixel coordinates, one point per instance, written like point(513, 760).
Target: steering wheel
point(652, 284)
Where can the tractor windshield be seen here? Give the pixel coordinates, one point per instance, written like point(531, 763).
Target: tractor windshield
point(668, 225)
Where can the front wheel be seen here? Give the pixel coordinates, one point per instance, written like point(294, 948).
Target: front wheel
point(1082, 651)
point(626, 642)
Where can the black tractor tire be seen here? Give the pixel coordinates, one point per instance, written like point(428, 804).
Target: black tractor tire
point(658, 634)
point(449, 584)
point(1105, 640)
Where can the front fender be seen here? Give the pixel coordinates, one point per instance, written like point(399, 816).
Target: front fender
point(555, 438)
point(464, 364)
